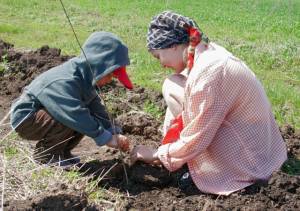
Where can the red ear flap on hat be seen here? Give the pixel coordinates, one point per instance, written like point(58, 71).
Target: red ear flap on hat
point(122, 76)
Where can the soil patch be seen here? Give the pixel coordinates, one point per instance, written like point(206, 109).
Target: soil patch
point(149, 187)
point(51, 202)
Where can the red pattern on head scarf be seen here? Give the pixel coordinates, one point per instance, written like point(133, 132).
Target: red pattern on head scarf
point(194, 40)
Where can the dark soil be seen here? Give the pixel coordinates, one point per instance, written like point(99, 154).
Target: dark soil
point(149, 187)
point(50, 202)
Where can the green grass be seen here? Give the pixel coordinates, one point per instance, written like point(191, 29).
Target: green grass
point(153, 109)
point(266, 34)
point(291, 166)
point(3, 64)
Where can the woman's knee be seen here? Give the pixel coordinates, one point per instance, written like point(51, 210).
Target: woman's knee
point(173, 84)
point(173, 92)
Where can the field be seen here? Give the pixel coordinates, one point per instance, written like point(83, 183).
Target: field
point(265, 34)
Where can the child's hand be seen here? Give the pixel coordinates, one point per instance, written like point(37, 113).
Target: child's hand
point(144, 153)
point(119, 142)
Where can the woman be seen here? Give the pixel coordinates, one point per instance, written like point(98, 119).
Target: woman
point(227, 134)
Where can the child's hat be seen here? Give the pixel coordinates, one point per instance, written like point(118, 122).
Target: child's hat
point(121, 74)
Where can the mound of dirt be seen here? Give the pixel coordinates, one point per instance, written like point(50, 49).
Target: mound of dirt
point(148, 175)
point(23, 67)
point(149, 187)
point(51, 202)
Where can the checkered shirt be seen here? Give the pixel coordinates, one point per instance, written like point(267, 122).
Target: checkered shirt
point(230, 138)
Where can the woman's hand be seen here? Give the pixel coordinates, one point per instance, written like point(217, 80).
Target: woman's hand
point(145, 154)
point(119, 141)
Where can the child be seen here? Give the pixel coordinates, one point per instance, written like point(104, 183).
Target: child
point(61, 105)
point(227, 134)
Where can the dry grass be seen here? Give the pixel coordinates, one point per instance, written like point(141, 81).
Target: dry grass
point(23, 178)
